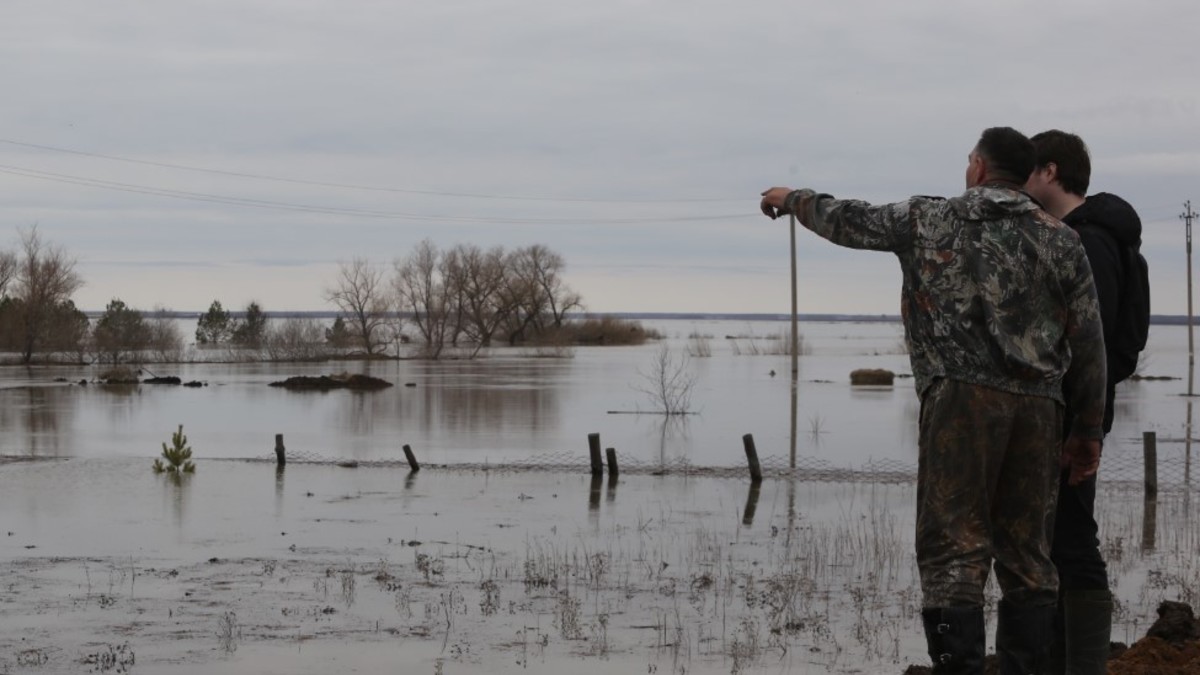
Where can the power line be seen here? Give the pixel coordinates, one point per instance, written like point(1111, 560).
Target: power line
point(348, 186)
point(344, 211)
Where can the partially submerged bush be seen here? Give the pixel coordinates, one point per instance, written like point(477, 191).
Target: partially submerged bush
point(178, 456)
point(608, 330)
point(119, 375)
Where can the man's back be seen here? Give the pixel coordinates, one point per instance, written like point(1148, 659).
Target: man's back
point(1111, 232)
point(990, 281)
point(996, 291)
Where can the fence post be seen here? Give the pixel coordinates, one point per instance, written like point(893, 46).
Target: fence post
point(280, 457)
point(612, 462)
point(412, 459)
point(1150, 455)
point(752, 458)
point(594, 449)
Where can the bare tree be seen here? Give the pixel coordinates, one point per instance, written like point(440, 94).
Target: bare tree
point(547, 267)
point(421, 288)
point(296, 340)
point(164, 338)
point(483, 305)
point(537, 292)
point(45, 278)
point(8, 270)
point(361, 293)
point(668, 383)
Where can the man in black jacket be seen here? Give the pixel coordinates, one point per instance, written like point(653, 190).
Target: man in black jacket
point(1107, 225)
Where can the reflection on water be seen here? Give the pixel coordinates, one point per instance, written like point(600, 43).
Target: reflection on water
point(36, 415)
point(509, 406)
point(175, 495)
point(280, 469)
point(752, 496)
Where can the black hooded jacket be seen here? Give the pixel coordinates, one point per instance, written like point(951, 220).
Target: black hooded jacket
point(1107, 225)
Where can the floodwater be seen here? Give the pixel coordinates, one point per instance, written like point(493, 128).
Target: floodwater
point(244, 568)
point(512, 405)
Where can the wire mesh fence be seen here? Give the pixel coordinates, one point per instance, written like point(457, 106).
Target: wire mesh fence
point(1120, 468)
point(773, 466)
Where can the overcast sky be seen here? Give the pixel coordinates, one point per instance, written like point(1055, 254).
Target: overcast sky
point(631, 137)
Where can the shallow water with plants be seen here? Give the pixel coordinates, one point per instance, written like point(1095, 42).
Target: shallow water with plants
point(244, 567)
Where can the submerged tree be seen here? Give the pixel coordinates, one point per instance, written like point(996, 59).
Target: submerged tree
point(121, 332)
point(337, 335)
point(43, 280)
point(178, 456)
point(213, 326)
point(360, 292)
point(252, 329)
point(668, 383)
point(423, 287)
point(8, 271)
point(163, 337)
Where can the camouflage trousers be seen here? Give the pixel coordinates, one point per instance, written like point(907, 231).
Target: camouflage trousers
point(987, 484)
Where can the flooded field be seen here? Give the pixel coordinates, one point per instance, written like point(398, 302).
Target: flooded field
point(315, 568)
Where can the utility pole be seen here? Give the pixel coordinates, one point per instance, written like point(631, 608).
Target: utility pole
point(1187, 217)
point(795, 329)
point(795, 360)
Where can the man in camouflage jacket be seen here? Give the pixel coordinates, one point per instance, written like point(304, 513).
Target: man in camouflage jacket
point(1003, 328)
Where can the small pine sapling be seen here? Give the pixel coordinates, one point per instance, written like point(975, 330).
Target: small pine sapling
point(178, 455)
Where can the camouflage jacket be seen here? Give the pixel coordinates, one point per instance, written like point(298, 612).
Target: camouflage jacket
point(996, 291)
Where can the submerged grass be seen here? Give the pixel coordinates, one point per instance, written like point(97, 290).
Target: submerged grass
point(824, 584)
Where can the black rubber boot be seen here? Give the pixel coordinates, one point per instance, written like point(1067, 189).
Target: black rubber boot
point(956, 639)
point(1056, 656)
point(1088, 628)
point(1022, 638)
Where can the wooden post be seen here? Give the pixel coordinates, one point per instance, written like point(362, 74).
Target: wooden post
point(1150, 453)
point(412, 459)
point(752, 458)
point(594, 448)
point(612, 462)
point(1150, 481)
point(280, 458)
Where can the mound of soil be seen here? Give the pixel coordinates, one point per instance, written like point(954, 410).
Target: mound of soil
point(327, 382)
point(877, 376)
point(170, 379)
point(1171, 647)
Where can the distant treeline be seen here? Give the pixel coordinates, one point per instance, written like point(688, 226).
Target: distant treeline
point(463, 298)
point(1157, 319)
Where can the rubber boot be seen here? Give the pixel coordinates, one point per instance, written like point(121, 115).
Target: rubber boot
point(1021, 638)
point(956, 639)
point(1088, 628)
point(1056, 658)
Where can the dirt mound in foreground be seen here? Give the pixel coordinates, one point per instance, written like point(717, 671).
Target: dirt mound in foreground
point(1171, 647)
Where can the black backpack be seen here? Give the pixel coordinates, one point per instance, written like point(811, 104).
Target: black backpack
point(1133, 312)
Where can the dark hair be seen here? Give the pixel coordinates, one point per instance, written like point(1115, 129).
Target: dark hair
point(1069, 154)
point(1008, 153)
